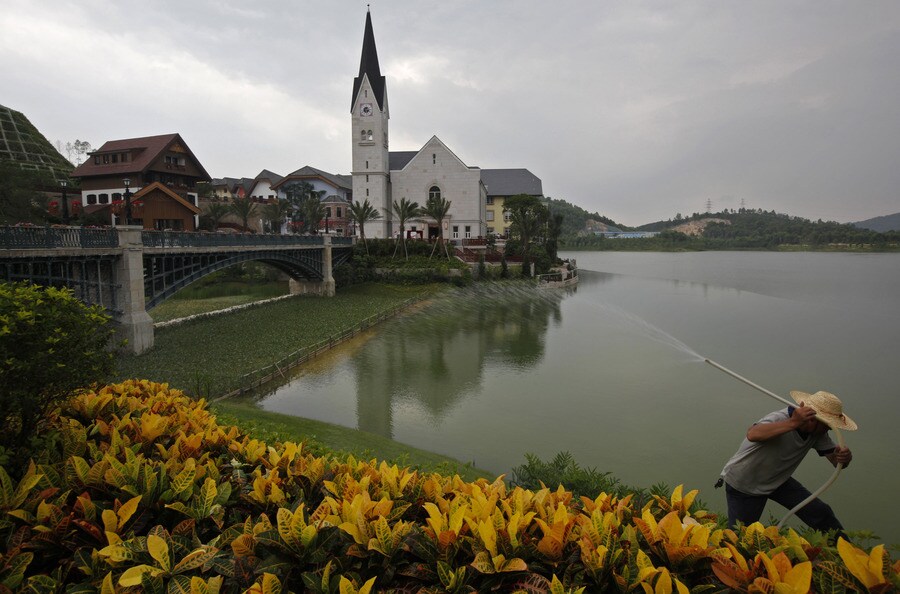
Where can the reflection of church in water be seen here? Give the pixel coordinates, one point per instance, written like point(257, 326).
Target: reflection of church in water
point(433, 359)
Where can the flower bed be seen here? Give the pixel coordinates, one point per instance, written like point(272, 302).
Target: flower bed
point(148, 492)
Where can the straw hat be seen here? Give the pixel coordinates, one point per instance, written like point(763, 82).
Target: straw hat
point(828, 408)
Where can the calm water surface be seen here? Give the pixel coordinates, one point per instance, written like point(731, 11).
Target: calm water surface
point(610, 372)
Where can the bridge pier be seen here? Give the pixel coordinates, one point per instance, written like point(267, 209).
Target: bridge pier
point(134, 323)
point(323, 288)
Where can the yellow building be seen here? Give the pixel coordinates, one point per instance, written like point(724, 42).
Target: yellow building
point(500, 185)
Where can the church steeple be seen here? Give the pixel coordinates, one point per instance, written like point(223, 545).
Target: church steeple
point(368, 66)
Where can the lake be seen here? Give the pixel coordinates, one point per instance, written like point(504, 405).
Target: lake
point(610, 371)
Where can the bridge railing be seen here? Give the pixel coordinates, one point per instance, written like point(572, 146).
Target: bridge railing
point(34, 237)
point(166, 239)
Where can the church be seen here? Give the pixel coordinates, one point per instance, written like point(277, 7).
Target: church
point(383, 176)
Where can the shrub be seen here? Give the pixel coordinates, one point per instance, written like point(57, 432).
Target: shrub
point(149, 492)
point(50, 345)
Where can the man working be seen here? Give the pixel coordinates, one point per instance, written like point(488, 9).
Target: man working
point(775, 445)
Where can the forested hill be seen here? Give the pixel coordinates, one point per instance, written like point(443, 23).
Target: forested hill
point(758, 228)
point(744, 229)
point(576, 219)
point(881, 224)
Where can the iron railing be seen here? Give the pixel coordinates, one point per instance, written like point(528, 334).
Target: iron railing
point(34, 237)
point(167, 239)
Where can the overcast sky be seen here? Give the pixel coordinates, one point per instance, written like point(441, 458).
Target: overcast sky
point(636, 110)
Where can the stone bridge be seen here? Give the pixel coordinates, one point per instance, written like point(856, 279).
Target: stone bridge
point(128, 271)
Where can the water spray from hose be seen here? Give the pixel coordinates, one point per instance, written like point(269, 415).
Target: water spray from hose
point(837, 434)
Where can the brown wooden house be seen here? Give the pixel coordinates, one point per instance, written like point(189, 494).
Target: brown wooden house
point(160, 208)
point(137, 163)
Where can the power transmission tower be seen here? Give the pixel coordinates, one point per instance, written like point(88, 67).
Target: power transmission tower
point(708, 206)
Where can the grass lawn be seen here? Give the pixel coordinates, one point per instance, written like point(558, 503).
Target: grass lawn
point(185, 304)
point(272, 427)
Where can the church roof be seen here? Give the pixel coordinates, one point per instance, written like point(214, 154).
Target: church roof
point(399, 159)
point(509, 182)
point(368, 66)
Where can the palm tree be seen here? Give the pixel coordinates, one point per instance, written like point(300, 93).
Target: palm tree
point(243, 208)
point(404, 211)
point(215, 212)
point(362, 214)
point(276, 213)
point(313, 211)
point(437, 207)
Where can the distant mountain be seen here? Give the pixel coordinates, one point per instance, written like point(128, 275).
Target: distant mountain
point(881, 224)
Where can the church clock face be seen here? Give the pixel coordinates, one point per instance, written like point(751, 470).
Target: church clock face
point(365, 109)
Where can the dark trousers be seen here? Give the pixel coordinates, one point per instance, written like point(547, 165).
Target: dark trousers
point(747, 509)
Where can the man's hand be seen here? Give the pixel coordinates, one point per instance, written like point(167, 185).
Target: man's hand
point(802, 415)
point(840, 456)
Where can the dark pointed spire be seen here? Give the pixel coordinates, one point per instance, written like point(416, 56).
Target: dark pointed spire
point(368, 66)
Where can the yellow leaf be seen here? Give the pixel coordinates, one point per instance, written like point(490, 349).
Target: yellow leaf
point(132, 575)
point(866, 568)
point(367, 587)
point(108, 587)
point(488, 536)
point(110, 521)
point(799, 577)
point(159, 550)
point(270, 584)
point(127, 510)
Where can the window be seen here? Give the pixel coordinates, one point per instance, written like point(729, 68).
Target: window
point(507, 216)
point(92, 199)
point(116, 196)
point(369, 135)
point(328, 212)
point(104, 198)
point(468, 232)
point(362, 134)
point(455, 231)
point(490, 230)
point(434, 193)
point(338, 209)
point(339, 231)
point(367, 164)
point(96, 159)
point(367, 178)
point(433, 159)
point(367, 191)
point(105, 159)
point(115, 158)
point(489, 215)
point(489, 200)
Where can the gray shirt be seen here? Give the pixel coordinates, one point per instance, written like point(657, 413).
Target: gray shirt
point(760, 467)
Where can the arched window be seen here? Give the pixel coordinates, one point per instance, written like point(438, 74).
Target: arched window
point(362, 134)
point(370, 134)
point(434, 192)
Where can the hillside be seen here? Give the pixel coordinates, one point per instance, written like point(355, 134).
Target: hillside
point(881, 224)
point(23, 145)
point(577, 220)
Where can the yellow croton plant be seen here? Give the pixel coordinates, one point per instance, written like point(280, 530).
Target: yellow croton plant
point(140, 490)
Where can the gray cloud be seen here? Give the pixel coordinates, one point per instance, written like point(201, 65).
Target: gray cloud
point(636, 110)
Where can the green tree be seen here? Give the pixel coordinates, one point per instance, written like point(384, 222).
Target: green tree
point(528, 217)
point(362, 214)
point(20, 201)
point(276, 213)
point(313, 212)
point(50, 345)
point(215, 212)
point(243, 208)
point(405, 210)
point(554, 230)
point(437, 208)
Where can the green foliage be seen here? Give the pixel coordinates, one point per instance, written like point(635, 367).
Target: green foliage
point(20, 200)
point(243, 208)
point(575, 218)
point(50, 345)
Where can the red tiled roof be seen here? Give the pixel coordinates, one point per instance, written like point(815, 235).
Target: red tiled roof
point(143, 152)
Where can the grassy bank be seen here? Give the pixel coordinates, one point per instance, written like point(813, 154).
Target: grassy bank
point(326, 437)
point(207, 357)
point(221, 296)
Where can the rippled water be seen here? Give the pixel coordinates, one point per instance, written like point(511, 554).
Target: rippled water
point(613, 371)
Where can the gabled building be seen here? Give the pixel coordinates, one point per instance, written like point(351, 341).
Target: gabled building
point(164, 159)
point(335, 192)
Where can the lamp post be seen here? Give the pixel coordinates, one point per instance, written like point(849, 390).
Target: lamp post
point(127, 183)
point(65, 202)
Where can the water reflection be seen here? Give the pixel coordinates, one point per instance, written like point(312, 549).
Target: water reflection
point(429, 361)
